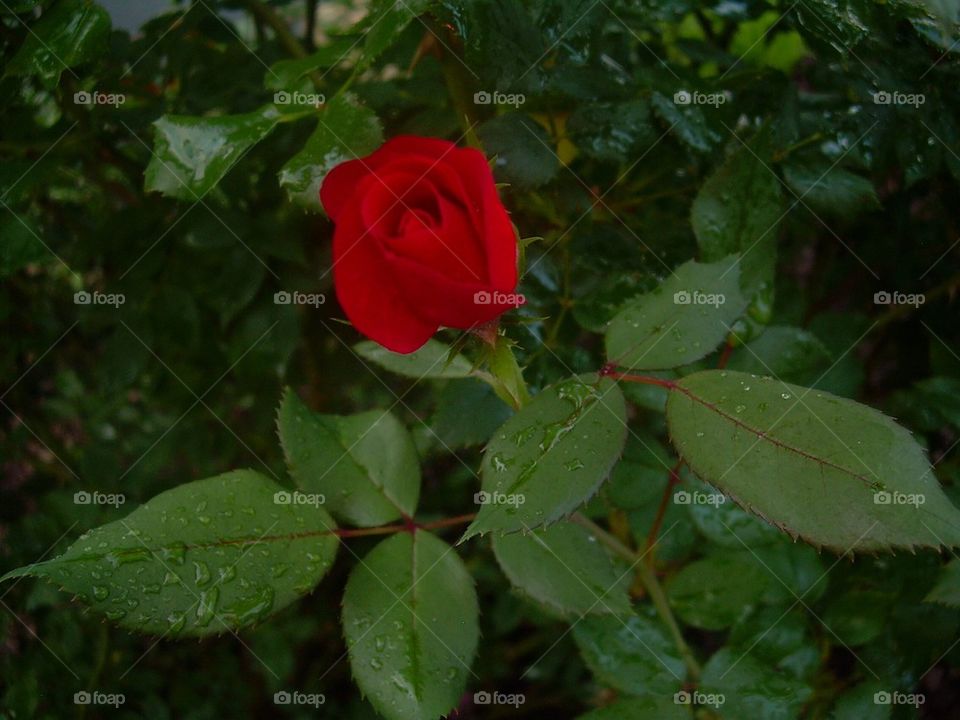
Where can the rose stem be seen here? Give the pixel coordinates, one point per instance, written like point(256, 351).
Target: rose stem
point(652, 585)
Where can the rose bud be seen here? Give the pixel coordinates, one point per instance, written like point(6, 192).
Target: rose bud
point(421, 241)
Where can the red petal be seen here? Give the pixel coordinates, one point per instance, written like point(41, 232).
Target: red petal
point(340, 184)
point(368, 293)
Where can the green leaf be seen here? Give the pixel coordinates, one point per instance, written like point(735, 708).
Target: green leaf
point(831, 190)
point(410, 621)
point(467, 413)
point(721, 521)
point(523, 156)
point(565, 568)
point(434, 360)
point(752, 690)
point(713, 593)
point(203, 558)
point(365, 465)
point(738, 210)
point(287, 74)
point(681, 321)
point(70, 33)
point(635, 655)
point(779, 451)
point(192, 154)
point(858, 703)
point(643, 708)
point(772, 634)
point(551, 456)
point(612, 131)
point(787, 353)
point(345, 131)
point(947, 589)
point(384, 23)
point(687, 122)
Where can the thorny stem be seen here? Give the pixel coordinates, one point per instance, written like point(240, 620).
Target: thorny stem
point(652, 586)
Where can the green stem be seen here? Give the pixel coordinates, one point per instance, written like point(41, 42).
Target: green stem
point(459, 84)
point(652, 586)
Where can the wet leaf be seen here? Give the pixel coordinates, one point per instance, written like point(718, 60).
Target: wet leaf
point(682, 320)
point(68, 34)
point(410, 622)
point(551, 456)
point(345, 131)
point(203, 558)
point(365, 465)
point(192, 154)
point(564, 567)
point(834, 472)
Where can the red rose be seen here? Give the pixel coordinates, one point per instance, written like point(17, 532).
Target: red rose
point(421, 241)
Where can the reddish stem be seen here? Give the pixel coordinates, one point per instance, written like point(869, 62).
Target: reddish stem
point(409, 525)
point(610, 371)
point(662, 510)
point(725, 355)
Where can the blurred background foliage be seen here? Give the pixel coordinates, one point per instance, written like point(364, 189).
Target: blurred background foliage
point(601, 167)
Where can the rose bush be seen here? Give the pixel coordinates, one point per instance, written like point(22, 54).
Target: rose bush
point(653, 493)
point(422, 241)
